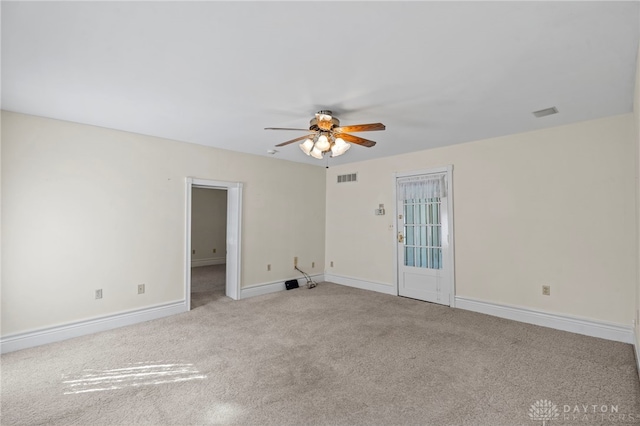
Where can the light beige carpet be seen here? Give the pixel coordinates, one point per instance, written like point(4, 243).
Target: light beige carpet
point(330, 355)
point(207, 284)
point(208, 278)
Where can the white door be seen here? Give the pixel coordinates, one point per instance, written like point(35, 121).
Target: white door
point(425, 258)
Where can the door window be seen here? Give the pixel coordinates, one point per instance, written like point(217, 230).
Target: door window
point(423, 233)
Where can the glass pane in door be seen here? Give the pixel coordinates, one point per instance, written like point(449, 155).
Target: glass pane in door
point(423, 233)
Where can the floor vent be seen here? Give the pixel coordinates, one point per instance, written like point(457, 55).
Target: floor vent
point(351, 177)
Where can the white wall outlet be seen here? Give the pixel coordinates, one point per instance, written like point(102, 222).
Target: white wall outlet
point(99, 293)
point(546, 290)
point(313, 264)
point(140, 288)
point(332, 263)
point(269, 267)
point(214, 250)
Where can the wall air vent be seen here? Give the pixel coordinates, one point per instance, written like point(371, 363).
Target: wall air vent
point(350, 177)
point(545, 112)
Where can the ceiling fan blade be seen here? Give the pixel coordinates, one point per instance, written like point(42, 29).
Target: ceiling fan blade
point(357, 140)
point(285, 128)
point(294, 140)
point(361, 128)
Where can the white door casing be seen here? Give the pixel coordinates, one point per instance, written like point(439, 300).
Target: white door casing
point(424, 242)
point(234, 234)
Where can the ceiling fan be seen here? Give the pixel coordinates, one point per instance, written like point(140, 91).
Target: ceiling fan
point(326, 135)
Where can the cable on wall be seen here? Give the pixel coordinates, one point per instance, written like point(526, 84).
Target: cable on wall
point(310, 282)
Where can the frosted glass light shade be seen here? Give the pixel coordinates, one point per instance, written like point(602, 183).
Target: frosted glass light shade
point(323, 143)
point(306, 146)
point(339, 147)
point(316, 153)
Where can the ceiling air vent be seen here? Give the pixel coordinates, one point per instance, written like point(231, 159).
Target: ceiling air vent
point(545, 112)
point(351, 177)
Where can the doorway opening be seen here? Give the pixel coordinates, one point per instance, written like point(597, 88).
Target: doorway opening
point(208, 245)
point(213, 225)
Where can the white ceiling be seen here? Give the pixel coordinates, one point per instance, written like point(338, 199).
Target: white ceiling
point(217, 73)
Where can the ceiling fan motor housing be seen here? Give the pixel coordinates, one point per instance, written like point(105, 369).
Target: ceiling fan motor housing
point(324, 120)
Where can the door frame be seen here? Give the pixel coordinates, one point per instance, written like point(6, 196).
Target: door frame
point(449, 257)
point(234, 234)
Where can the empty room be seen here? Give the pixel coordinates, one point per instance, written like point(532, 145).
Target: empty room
point(325, 213)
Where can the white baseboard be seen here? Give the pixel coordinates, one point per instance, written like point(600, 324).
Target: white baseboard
point(30, 339)
point(208, 261)
point(362, 284)
point(601, 329)
point(275, 286)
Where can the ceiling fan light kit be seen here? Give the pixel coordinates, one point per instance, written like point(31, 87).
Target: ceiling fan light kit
point(328, 137)
point(316, 146)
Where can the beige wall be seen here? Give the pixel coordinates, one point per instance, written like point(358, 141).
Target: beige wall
point(86, 208)
point(555, 206)
point(208, 224)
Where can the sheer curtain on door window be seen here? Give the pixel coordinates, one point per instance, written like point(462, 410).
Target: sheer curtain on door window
point(421, 201)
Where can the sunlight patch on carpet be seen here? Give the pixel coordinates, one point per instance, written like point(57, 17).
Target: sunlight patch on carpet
point(224, 413)
point(138, 374)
